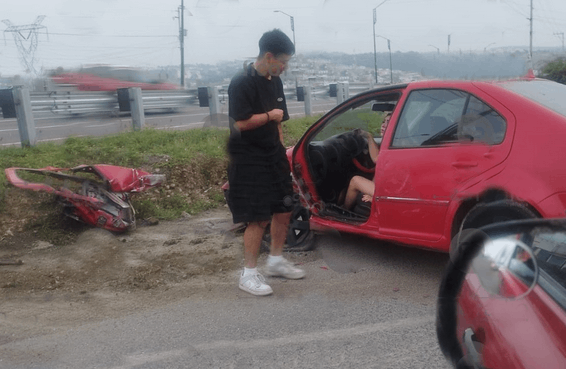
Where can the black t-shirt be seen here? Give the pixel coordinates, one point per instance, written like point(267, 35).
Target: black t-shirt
point(250, 93)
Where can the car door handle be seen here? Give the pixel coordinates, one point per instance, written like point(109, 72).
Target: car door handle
point(473, 349)
point(464, 164)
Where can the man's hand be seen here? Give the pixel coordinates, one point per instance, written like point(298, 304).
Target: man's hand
point(276, 115)
point(258, 120)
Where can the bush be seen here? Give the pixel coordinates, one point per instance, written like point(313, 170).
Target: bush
point(555, 70)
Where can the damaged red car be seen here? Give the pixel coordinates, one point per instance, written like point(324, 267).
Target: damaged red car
point(101, 198)
point(455, 155)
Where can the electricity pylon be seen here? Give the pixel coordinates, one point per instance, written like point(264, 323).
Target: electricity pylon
point(25, 38)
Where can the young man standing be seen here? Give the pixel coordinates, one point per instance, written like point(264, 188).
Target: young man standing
point(259, 174)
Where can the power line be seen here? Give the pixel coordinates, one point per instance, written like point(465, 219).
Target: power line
point(114, 36)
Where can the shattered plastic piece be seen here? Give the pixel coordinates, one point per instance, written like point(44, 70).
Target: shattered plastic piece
point(103, 202)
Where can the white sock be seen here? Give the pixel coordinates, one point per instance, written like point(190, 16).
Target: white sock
point(248, 271)
point(272, 260)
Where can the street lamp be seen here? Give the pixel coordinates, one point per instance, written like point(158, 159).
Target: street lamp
point(485, 48)
point(292, 25)
point(374, 47)
point(437, 49)
point(390, 62)
point(292, 29)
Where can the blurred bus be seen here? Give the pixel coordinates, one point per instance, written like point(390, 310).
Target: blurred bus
point(110, 78)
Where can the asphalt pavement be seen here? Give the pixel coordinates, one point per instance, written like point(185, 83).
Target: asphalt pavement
point(363, 304)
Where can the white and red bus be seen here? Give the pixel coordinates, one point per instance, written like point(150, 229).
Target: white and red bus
point(111, 78)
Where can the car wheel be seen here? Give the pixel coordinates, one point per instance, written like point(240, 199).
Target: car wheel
point(299, 236)
point(492, 212)
point(499, 211)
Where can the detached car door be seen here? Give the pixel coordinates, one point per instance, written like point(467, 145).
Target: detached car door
point(438, 140)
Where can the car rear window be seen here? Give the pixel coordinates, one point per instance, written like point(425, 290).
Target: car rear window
point(545, 92)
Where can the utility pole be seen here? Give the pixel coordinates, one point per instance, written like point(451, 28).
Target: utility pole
point(448, 50)
point(390, 62)
point(27, 53)
point(182, 31)
point(560, 35)
point(374, 47)
point(531, 36)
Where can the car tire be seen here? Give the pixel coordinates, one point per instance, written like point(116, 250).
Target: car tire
point(299, 236)
point(492, 212)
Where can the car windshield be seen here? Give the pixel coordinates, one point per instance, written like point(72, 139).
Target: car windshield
point(547, 93)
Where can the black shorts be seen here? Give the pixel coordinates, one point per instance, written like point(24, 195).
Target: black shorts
point(257, 191)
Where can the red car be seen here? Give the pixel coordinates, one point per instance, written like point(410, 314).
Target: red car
point(502, 299)
point(106, 78)
point(455, 155)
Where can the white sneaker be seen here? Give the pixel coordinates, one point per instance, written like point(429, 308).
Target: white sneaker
point(284, 268)
point(255, 284)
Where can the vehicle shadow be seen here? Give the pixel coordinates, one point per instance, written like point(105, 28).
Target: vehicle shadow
point(346, 253)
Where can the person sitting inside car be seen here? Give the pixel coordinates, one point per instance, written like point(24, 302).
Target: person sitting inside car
point(361, 184)
point(385, 123)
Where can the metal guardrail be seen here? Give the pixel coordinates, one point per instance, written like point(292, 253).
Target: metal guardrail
point(168, 99)
point(72, 103)
point(79, 102)
point(19, 103)
point(69, 103)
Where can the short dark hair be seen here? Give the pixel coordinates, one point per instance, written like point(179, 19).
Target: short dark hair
point(276, 42)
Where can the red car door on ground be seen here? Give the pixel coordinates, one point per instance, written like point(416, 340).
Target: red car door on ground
point(438, 143)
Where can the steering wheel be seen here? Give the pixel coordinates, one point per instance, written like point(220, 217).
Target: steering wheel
point(363, 161)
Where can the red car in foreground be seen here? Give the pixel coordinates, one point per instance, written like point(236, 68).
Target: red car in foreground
point(455, 155)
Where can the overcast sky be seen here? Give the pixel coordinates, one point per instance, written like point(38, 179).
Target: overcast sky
point(145, 32)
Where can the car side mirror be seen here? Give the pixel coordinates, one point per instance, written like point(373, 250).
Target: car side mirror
point(489, 269)
point(504, 267)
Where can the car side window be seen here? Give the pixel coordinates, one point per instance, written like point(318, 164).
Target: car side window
point(439, 116)
point(550, 252)
point(358, 117)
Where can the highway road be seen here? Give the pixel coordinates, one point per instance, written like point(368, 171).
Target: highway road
point(363, 304)
point(57, 128)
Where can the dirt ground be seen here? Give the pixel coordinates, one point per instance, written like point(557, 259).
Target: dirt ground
point(103, 275)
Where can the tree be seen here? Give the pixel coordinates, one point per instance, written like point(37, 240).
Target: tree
point(555, 70)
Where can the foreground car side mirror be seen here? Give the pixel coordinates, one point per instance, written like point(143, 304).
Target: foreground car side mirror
point(484, 301)
point(504, 267)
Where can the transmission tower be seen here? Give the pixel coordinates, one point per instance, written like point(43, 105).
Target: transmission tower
point(25, 38)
